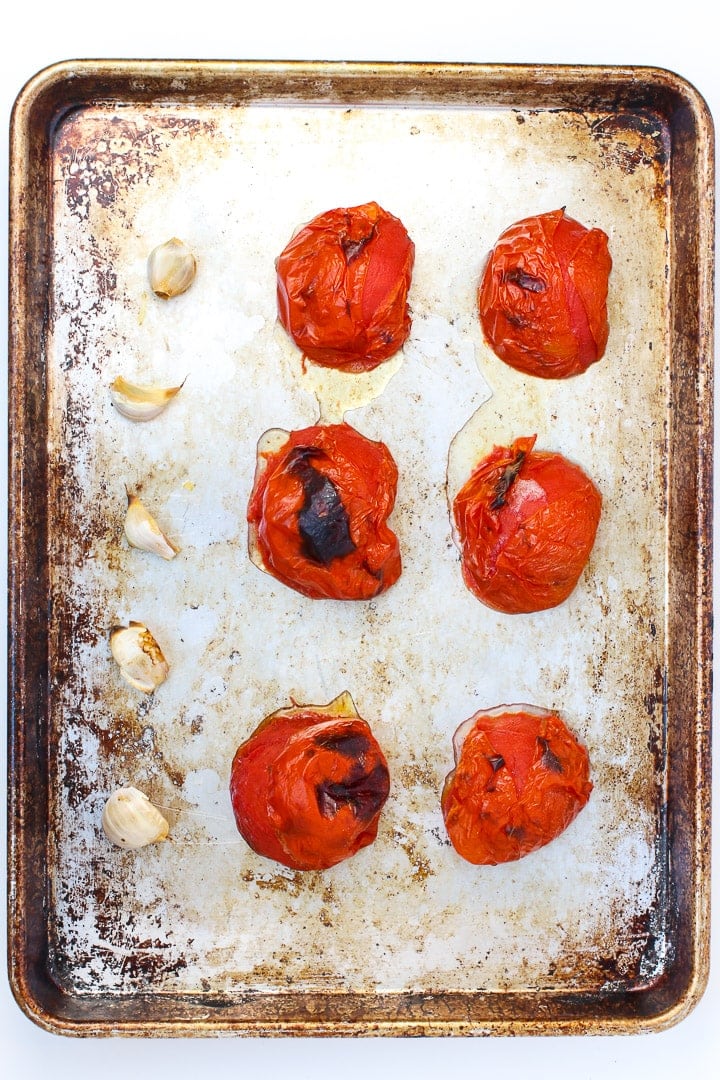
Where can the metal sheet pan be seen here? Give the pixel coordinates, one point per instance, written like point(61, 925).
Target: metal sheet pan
point(606, 930)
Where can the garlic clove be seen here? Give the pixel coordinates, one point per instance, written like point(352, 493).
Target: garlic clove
point(130, 820)
point(171, 269)
point(139, 657)
point(141, 403)
point(143, 532)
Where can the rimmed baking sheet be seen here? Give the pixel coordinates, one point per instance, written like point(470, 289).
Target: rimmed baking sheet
point(604, 930)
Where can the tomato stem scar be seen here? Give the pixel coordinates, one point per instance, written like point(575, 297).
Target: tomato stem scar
point(506, 481)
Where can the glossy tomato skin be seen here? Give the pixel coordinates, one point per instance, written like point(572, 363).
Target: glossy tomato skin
point(307, 789)
point(342, 286)
point(318, 514)
point(526, 522)
point(543, 296)
point(520, 778)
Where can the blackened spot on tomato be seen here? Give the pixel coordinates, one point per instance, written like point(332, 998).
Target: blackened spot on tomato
point(551, 762)
point(517, 320)
point(497, 761)
point(377, 573)
point(526, 281)
point(515, 832)
point(365, 794)
point(323, 522)
point(351, 745)
point(506, 481)
point(352, 248)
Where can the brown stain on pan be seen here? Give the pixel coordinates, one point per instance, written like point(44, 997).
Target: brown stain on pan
point(635, 141)
point(102, 158)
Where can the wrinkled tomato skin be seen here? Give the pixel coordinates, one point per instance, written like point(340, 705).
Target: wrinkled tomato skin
point(307, 790)
point(342, 286)
point(543, 296)
point(525, 545)
point(519, 780)
point(364, 476)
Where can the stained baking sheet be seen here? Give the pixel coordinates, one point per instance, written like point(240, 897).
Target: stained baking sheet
point(605, 929)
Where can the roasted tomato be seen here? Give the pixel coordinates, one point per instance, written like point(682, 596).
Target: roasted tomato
point(342, 285)
point(520, 778)
point(526, 522)
point(543, 294)
point(318, 512)
point(308, 786)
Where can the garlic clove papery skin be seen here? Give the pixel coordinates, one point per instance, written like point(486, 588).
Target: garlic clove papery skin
point(139, 657)
point(171, 269)
point(131, 821)
point(143, 532)
point(141, 403)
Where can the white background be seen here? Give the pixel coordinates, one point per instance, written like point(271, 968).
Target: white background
point(677, 37)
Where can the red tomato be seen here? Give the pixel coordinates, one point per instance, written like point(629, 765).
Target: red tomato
point(318, 514)
point(543, 294)
point(308, 786)
point(526, 522)
point(520, 778)
point(342, 285)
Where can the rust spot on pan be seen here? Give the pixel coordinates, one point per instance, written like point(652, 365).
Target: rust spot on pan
point(104, 156)
point(635, 141)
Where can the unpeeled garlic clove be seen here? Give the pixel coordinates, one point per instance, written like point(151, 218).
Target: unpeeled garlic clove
point(171, 269)
point(139, 657)
point(143, 532)
point(130, 820)
point(141, 403)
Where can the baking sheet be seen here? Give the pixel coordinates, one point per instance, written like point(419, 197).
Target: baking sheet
point(202, 920)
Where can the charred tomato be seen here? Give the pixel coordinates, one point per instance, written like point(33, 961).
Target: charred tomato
point(308, 786)
point(318, 512)
point(342, 286)
point(543, 296)
point(526, 522)
point(520, 778)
